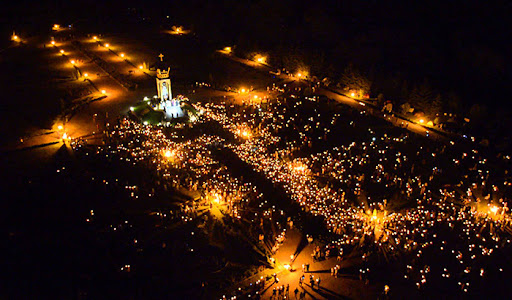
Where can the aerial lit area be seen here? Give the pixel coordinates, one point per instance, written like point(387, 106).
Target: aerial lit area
point(255, 150)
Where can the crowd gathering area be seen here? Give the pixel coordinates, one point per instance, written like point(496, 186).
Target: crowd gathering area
point(411, 212)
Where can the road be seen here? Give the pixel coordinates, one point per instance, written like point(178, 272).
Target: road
point(89, 119)
point(360, 105)
point(346, 286)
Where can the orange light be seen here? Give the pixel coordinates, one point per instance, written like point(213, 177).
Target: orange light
point(107, 45)
point(53, 42)
point(103, 91)
point(94, 37)
point(62, 51)
point(227, 49)
point(86, 75)
point(353, 94)
point(141, 67)
point(122, 55)
point(72, 62)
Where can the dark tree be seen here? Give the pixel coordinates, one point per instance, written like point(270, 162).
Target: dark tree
point(353, 79)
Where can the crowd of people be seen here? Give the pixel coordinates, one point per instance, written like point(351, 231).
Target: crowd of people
point(391, 194)
point(382, 192)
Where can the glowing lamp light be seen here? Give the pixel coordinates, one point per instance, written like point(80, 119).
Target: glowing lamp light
point(64, 136)
point(61, 51)
point(352, 94)
point(103, 91)
point(422, 121)
point(255, 97)
point(15, 37)
point(86, 75)
point(168, 153)
point(60, 127)
point(94, 37)
point(299, 168)
point(261, 59)
point(299, 75)
point(430, 123)
point(494, 209)
point(287, 266)
point(216, 198)
point(131, 108)
point(72, 61)
point(242, 90)
point(56, 26)
point(52, 42)
point(227, 49)
point(122, 55)
point(107, 45)
point(141, 67)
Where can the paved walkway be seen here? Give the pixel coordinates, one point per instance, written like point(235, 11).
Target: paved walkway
point(411, 126)
point(345, 286)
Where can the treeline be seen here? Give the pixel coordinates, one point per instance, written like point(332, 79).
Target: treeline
point(436, 56)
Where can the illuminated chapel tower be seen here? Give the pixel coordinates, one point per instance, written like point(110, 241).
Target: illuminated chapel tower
point(171, 107)
point(163, 82)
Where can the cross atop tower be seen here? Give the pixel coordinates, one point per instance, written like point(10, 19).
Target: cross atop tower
point(161, 57)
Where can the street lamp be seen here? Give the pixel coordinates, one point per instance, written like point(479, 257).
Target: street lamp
point(168, 154)
point(103, 92)
point(107, 45)
point(261, 59)
point(227, 49)
point(122, 54)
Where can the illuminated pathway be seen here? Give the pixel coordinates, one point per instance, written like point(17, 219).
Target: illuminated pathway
point(413, 127)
